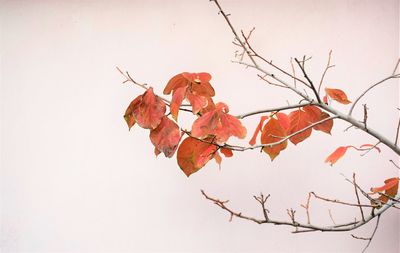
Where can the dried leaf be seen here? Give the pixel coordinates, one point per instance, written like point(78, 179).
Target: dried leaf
point(166, 137)
point(151, 110)
point(338, 95)
point(227, 152)
point(131, 110)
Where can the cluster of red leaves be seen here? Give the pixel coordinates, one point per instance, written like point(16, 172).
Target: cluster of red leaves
point(213, 127)
point(280, 125)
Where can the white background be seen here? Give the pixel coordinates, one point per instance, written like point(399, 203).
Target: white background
point(73, 179)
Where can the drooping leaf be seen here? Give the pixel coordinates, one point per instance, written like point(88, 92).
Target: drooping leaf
point(218, 159)
point(325, 126)
point(390, 187)
point(227, 152)
point(218, 123)
point(340, 151)
point(197, 102)
point(193, 154)
point(336, 155)
point(258, 130)
point(151, 110)
point(131, 110)
point(313, 113)
point(371, 147)
point(298, 121)
point(338, 95)
point(177, 98)
point(271, 133)
point(166, 137)
point(284, 120)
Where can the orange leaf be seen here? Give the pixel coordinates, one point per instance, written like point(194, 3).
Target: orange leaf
point(298, 121)
point(338, 95)
point(270, 130)
point(218, 159)
point(258, 129)
point(326, 126)
point(227, 152)
point(166, 137)
point(336, 155)
point(177, 98)
point(218, 123)
point(390, 187)
point(131, 110)
point(200, 83)
point(193, 154)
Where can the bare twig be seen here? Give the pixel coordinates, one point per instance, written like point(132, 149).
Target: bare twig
point(307, 207)
point(371, 87)
point(336, 201)
point(395, 165)
point(275, 109)
point(328, 66)
point(311, 85)
point(331, 216)
point(369, 239)
point(358, 198)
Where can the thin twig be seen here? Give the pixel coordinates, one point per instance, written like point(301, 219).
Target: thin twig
point(358, 198)
point(309, 81)
point(328, 66)
point(336, 201)
point(275, 109)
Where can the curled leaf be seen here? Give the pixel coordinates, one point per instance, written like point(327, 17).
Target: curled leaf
point(227, 152)
point(338, 95)
point(131, 110)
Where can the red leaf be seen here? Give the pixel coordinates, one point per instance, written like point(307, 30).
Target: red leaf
point(177, 98)
point(298, 121)
point(227, 152)
point(166, 137)
point(390, 187)
point(193, 154)
point(175, 82)
point(198, 91)
point(326, 126)
point(258, 129)
point(131, 110)
point(283, 120)
point(336, 155)
point(151, 110)
point(338, 95)
point(370, 146)
point(271, 129)
point(313, 113)
point(197, 102)
point(218, 123)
